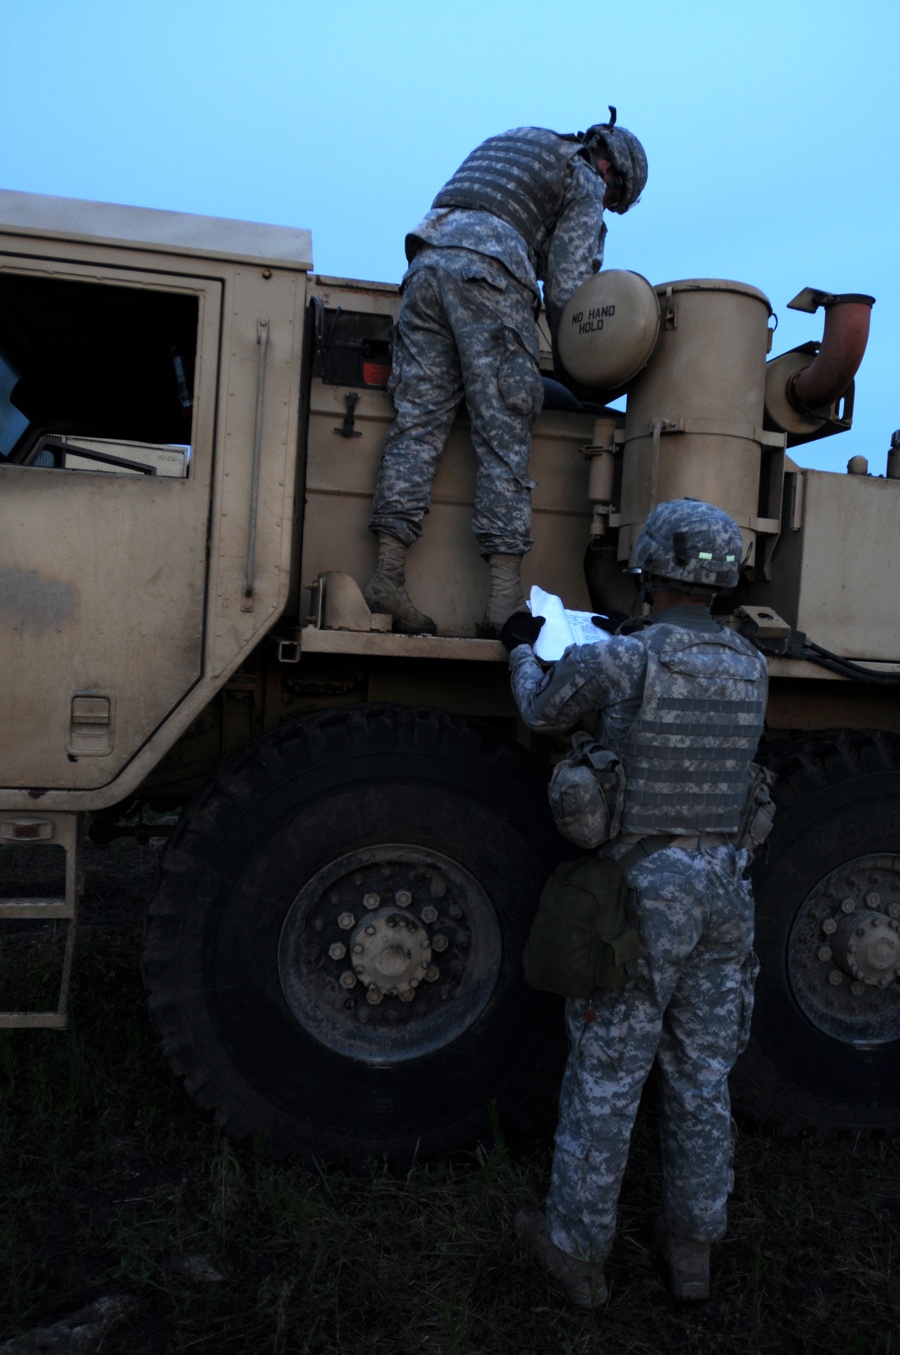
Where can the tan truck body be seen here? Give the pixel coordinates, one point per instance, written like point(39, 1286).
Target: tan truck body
point(162, 610)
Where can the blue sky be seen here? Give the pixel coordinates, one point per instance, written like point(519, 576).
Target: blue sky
point(771, 130)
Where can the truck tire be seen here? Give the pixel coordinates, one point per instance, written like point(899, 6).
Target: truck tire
point(824, 1050)
point(333, 954)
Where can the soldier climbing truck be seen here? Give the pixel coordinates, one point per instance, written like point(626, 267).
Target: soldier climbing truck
point(190, 427)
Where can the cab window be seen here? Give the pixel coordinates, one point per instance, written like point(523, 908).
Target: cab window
point(95, 377)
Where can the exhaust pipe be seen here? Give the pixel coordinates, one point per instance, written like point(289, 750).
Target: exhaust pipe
point(813, 390)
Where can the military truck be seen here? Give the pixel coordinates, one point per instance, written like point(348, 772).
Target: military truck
point(190, 427)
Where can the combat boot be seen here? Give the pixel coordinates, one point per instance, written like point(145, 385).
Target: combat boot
point(686, 1260)
point(505, 597)
point(583, 1281)
point(386, 590)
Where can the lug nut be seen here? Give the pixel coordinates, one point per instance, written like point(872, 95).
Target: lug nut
point(873, 900)
point(824, 953)
point(370, 930)
point(432, 973)
point(348, 980)
point(403, 898)
point(894, 910)
point(357, 949)
point(346, 921)
point(337, 951)
point(829, 926)
point(414, 983)
point(406, 995)
point(429, 913)
point(359, 969)
point(835, 978)
point(373, 995)
point(371, 900)
point(439, 942)
point(857, 988)
point(847, 905)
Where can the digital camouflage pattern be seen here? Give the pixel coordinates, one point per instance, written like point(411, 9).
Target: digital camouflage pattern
point(689, 1007)
point(628, 159)
point(467, 327)
point(569, 250)
point(692, 542)
point(689, 751)
point(519, 176)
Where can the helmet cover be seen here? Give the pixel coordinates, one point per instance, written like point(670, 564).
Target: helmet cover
point(692, 543)
point(626, 155)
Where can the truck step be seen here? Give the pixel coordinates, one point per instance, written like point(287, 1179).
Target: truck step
point(65, 830)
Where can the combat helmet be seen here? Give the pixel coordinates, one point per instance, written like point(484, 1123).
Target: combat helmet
point(690, 543)
point(626, 155)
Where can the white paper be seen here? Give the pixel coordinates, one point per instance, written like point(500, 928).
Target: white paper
point(561, 627)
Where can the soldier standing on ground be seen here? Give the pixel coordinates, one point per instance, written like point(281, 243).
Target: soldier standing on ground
point(524, 206)
point(681, 703)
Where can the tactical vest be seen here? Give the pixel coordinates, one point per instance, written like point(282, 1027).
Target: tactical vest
point(519, 176)
point(687, 756)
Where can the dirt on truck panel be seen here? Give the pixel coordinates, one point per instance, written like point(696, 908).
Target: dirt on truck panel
point(333, 952)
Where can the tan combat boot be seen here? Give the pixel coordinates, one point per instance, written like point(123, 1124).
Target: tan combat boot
point(386, 590)
point(505, 597)
point(583, 1281)
point(687, 1262)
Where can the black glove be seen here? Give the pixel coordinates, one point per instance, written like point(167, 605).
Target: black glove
point(521, 629)
point(611, 622)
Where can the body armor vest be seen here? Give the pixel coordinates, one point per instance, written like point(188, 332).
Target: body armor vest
point(687, 756)
point(519, 176)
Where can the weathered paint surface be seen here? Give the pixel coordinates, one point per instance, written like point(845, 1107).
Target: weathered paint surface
point(32, 602)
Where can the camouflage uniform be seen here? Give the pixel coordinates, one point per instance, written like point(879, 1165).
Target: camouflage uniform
point(689, 1008)
point(467, 328)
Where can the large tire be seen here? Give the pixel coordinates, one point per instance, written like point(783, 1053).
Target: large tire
point(824, 1051)
point(399, 842)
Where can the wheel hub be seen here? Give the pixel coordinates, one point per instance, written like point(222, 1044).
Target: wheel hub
point(844, 952)
point(389, 953)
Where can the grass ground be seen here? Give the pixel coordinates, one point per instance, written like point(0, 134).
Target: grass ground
point(112, 1181)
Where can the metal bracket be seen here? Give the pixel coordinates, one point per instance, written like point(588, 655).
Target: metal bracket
point(810, 299)
point(670, 316)
point(659, 427)
point(347, 429)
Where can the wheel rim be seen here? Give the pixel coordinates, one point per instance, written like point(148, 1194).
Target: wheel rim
point(389, 953)
point(844, 952)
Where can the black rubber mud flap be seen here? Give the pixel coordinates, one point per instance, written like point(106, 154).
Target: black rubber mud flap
point(334, 952)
